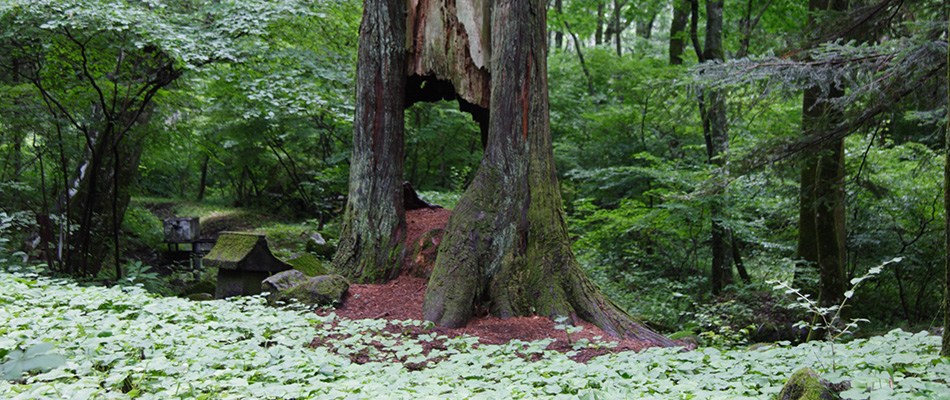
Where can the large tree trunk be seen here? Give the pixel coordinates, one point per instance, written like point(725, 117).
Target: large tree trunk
point(374, 224)
point(678, 31)
point(506, 246)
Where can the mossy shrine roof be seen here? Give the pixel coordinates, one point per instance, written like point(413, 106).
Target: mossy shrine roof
point(243, 252)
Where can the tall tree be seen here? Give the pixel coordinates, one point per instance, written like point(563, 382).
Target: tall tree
point(945, 351)
point(716, 133)
point(374, 224)
point(506, 247)
point(821, 238)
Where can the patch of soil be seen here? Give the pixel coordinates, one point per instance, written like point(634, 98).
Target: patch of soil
point(401, 299)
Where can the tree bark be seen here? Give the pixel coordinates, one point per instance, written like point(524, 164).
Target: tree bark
point(716, 130)
point(678, 31)
point(506, 247)
point(822, 241)
point(374, 223)
point(945, 350)
point(559, 35)
point(618, 30)
point(203, 182)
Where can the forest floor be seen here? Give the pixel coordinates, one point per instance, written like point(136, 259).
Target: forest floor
point(401, 299)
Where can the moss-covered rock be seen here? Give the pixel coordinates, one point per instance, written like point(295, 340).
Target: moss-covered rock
point(318, 291)
point(319, 246)
point(805, 385)
point(309, 265)
point(688, 338)
point(200, 297)
point(276, 284)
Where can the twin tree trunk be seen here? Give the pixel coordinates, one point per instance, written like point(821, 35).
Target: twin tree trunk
point(506, 246)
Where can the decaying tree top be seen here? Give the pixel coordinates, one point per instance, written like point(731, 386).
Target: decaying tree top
point(449, 41)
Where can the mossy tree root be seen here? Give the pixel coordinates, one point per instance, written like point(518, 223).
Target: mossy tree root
point(506, 246)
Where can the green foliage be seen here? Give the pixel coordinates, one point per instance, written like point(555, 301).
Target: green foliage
point(564, 325)
point(122, 343)
point(31, 360)
point(143, 228)
point(443, 147)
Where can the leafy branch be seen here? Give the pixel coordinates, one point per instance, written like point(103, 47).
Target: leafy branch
point(831, 316)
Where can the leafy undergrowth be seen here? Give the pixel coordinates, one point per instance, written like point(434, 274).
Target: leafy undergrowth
point(122, 342)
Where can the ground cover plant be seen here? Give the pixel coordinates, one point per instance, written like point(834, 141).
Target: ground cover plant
point(122, 342)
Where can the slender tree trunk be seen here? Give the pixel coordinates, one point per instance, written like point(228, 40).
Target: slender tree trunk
point(599, 32)
point(559, 35)
point(678, 31)
point(822, 220)
point(617, 29)
point(717, 145)
point(374, 224)
point(945, 350)
point(737, 259)
point(506, 247)
point(203, 182)
point(645, 26)
point(580, 56)
point(694, 29)
point(826, 242)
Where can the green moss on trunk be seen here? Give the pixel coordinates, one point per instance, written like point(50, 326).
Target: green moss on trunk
point(506, 245)
point(374, 225)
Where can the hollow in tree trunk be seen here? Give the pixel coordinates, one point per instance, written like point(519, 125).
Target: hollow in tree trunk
point(506, 247)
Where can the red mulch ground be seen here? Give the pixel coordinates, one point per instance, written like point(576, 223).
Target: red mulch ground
point(401, 299)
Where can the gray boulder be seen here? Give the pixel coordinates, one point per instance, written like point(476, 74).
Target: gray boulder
point(319, 290)
point(316, 291)
point(317, 245)
point(277, 283)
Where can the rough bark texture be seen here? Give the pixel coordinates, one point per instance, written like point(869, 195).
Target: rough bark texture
point(374, 225)
point(506, 247)
point(678, 31)
point(450, 41)
point(807, 253)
